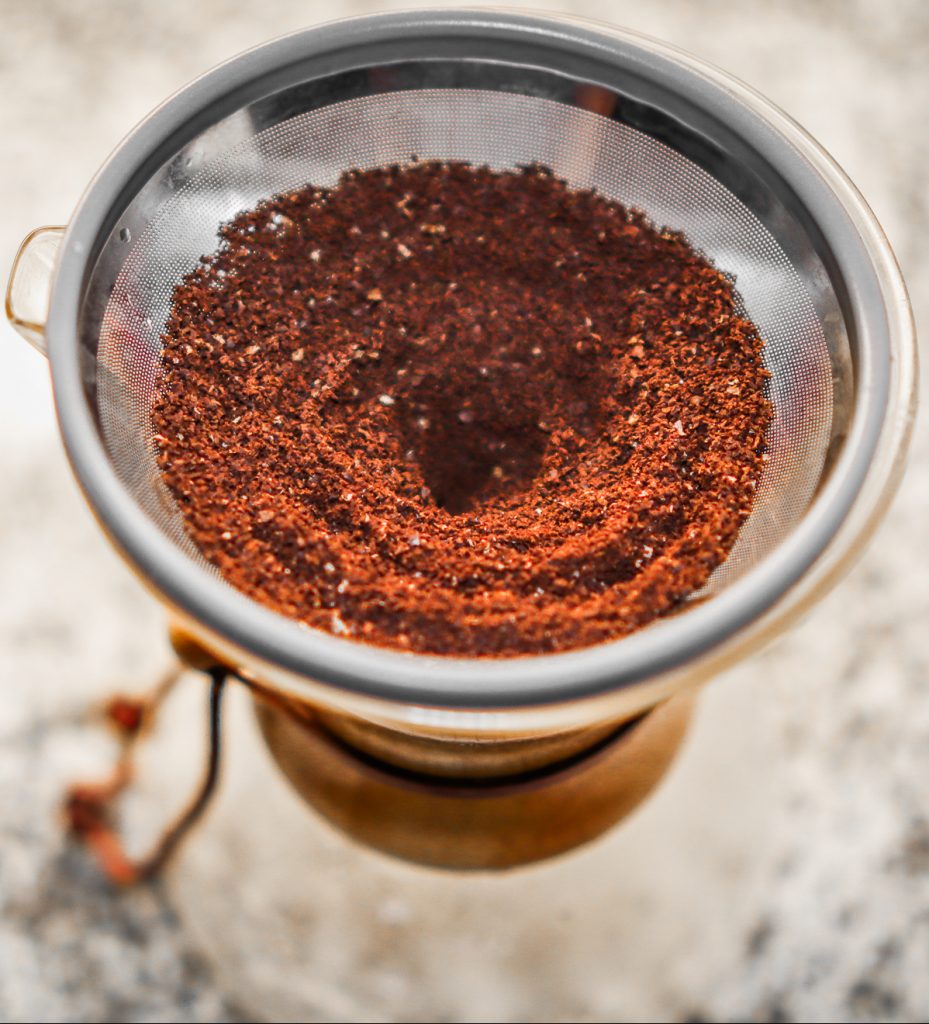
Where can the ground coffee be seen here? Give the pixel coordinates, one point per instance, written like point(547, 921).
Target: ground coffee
point(456, 411)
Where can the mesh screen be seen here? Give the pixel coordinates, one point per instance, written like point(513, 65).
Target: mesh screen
point(502, 130)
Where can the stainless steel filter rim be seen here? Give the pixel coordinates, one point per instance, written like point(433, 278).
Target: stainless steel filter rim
point(646, 75)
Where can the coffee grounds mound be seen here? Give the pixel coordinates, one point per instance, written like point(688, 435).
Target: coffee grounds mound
point(456, 411)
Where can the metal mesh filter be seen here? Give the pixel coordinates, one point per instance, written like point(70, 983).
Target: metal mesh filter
point(501, 129)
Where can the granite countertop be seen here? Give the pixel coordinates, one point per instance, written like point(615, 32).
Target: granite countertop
point(781, 873)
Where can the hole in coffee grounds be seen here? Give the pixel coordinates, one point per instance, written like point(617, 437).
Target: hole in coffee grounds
point(459, 411)
point(466, 460)
point(479, 439)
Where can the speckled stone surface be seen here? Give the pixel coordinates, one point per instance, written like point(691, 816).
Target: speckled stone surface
point(782, 873)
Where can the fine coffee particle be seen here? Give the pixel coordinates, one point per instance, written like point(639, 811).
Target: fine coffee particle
point(458, 411)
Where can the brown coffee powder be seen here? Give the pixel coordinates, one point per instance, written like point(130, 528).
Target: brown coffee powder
point(456, 411)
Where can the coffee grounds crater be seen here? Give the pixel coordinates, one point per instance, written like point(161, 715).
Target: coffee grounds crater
point(471, 451)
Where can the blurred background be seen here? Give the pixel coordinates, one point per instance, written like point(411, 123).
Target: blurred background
point(782, 872)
